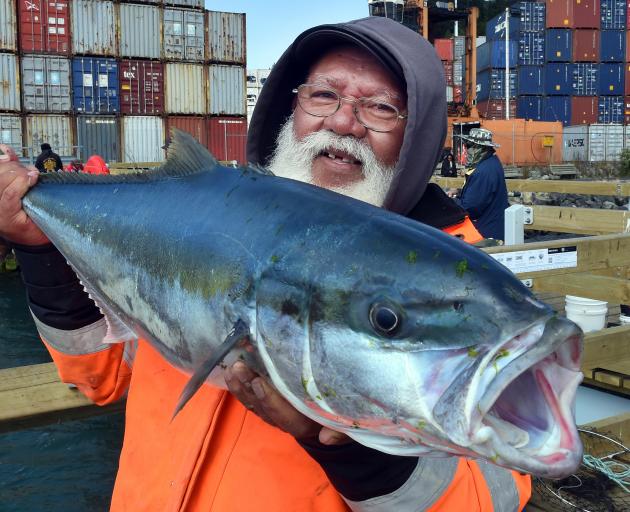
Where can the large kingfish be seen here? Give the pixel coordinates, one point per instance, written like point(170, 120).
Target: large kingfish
point(405, 338)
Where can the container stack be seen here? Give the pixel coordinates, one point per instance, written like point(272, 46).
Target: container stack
point(452, 54)
point(112, 77)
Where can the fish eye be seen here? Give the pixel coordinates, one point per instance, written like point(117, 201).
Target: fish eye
point(384, 319)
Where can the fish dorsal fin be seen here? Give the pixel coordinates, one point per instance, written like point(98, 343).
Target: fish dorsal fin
point(185, 157)
point(259, 169)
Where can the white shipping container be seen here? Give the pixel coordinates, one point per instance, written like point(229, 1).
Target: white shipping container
point(575, 143)
point(605, 142)
point(56, 130)
point(186, 3)
point(226, 37)
point(449, 93)
point(93, 27)
point(11, 131)
point(480, 40)
point(8, 25)
point(185, 89)
point(226, 90)
point(139, 31)
point(9, 83)
point(46, 83)
point(142, 139)
point(184, 35)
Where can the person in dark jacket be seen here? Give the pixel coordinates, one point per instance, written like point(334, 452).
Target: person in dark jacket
point(449, 169)
point(48, 161)
point(484, 195)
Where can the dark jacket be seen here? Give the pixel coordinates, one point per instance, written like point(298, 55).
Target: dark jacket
point(48, 161)
point(449, 168)
point(484, 197)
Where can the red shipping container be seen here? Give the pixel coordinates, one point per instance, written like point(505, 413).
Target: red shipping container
point(141, 87)
point(627, 79)
point(227, 137)
point(448, 71)
point(444, 48)
point(583, 109)
point(458, 95)
point(586, 45)
point(495, 109)
point(195, 125)
point(44, 26)
point(628, 40)
point(559, 13)
point(626, 110)
point(586, 14)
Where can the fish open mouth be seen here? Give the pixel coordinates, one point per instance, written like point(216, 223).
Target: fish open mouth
point(525, 417)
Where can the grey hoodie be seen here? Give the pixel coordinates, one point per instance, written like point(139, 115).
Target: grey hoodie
point(410, 58)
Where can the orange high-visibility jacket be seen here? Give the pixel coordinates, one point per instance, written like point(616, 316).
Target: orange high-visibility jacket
point(217, 456)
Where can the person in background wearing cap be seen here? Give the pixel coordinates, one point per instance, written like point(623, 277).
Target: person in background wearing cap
point(47, 161)
point(358, 108)
point(484, 195)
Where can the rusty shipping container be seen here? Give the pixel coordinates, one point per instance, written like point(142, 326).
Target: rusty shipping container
point(139, 31)
point(185, 90)
point(583, 110)
point(495, 109)
point(8, 26)
point(11, 131)
point(9, 83)
point(448, 71)
point(54, 129)
point(98, 135)
point(226, 90)
point(46, 83)
point(444, 48)
point(184, 35)
point(227, 137)
point(93, 27)
point(44, 26)
point(141, 87)
point(226, 37)
point(195, 125)
point(586, 45)
point(193, 4)
point(142, 139)
point(559, 14)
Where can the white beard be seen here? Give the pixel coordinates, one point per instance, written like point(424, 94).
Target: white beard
point(294, 158)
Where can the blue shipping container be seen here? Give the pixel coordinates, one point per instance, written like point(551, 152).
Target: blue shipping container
point(557, 108)
point(611, 79)
point(613, 14)
point(496, 33)
point(491, 84)
point(530, 107)
point(95, 85)
point(613, 46)
point(585, 79)
point(530, 80)
point(558, 45)
point(491, 54)
point(610, 109)
point(558, 79)
point(532, 16)
point(531, 48)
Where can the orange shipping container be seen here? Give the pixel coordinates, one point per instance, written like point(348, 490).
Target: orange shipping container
point(444, 48)
point(586, 45)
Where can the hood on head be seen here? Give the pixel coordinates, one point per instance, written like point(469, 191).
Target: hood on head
point(407, 55)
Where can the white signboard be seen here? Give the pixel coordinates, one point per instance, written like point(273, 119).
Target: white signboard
point(538, 259)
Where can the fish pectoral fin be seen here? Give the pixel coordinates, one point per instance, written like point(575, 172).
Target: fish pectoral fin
point(239, 332)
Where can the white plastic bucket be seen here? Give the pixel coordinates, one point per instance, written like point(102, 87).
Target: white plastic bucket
point(624, 319)
point(589, 314)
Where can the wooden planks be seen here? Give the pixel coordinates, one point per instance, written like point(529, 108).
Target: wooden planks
point(33, 396)
point(586, 221)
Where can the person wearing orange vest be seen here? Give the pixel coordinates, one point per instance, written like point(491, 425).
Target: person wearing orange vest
point(247, 448)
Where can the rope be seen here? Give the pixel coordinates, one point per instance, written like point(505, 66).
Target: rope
point(618, 472)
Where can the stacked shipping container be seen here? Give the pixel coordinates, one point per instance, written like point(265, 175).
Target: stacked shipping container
point(116, 72)
point(452, 55)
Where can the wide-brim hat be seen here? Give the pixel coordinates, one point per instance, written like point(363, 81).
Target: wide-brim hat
point(479, 136)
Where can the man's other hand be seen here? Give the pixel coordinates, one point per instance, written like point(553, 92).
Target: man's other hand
point(257, 395)
point(15, 180)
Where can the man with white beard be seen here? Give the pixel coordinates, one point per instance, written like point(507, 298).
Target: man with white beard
point(358, 108)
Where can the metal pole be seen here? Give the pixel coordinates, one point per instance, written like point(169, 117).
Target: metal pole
point(456, 32)
point(507, 63)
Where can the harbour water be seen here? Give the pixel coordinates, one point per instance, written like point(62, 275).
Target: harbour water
point(66, 467)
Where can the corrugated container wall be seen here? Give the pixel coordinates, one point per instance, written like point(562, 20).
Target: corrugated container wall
point(184, 35)
point(140, 31)
point(185, 89)
point(605, 142)
point(11, 131)
point(530, 107)
point(98, 135)
point(613, 47)
point(491, 54)
point(491, 84)
point(558, 79)
point(46, 83)
point(559, 14)
point(495, 30)
point(584, 109)
point(613, 14)
point(611, 79)
point(198, 4)
point(585, 80)
point(459, 47)
point(141, 87)
point(532, 16)
point(93, 27)
point(8, 26)
point(586, 14)
point(444, 49)
point(226, 37)
point(226, 92)
point(9, 83)
point(575, 143)
point(95, 85)
point(558, 45)
point(557, 108)
point(586, 45)
point(196, 126)
point(44, 26)
point(55, 130)
point(531, 48)
point(530, 80)
point(610, 109)
point(627, 119)
point(227, 137)
point(495, 109)
point(627, 79)
point(142, 139)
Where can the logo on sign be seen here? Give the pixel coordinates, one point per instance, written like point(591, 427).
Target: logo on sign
point(30, 6)
point(129, 74)
point(575, 143)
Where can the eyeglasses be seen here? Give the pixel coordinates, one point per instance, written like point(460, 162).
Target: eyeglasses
point(375, 115)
